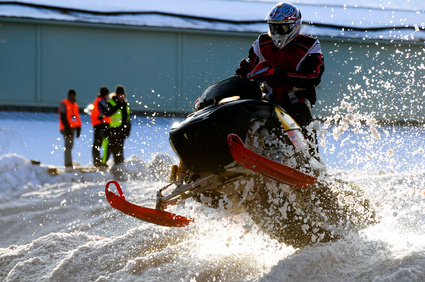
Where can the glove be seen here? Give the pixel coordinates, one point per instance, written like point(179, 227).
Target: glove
point(243, 67)
point(78, 129)
point(261, 72)
point(244, 63)
point(100, 117)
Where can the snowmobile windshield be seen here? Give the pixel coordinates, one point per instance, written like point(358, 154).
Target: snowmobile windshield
point(229, 87)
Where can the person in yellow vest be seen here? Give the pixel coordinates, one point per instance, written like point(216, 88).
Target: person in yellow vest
point(100, 119)
point(119, 127)
point(70, 125)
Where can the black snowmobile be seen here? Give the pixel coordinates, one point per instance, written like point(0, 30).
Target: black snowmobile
point(244, 154)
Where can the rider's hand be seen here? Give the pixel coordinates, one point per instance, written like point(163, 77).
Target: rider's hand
point(243, 68)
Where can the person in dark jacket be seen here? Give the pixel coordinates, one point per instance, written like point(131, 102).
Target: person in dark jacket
point(70, 125)
point(100, 119)
point(297, 60)
point(119, 126)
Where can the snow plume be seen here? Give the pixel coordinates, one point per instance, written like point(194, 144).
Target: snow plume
point(350, 121)
point(359, 139)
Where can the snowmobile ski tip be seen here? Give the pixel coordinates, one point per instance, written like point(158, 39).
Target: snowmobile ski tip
point(155, 216)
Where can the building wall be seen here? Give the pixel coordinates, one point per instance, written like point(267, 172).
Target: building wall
point(165, 70)
point(162, 70)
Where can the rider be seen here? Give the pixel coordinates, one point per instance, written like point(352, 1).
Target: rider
point(298, 65)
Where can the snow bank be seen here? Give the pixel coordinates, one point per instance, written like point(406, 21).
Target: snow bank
point(19, 175)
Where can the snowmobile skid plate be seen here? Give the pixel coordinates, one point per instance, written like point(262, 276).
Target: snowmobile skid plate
point(267, 167)
point(155, 216)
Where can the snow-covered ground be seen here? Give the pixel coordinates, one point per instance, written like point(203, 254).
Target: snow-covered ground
point(61, 228)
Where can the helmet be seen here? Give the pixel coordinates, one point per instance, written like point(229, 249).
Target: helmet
point(284, 22)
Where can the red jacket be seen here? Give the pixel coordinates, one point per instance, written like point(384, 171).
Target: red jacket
point(300, 65)
point(72, 115)
point(95, 113)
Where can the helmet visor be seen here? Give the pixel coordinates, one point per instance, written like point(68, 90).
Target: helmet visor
point(281, 29)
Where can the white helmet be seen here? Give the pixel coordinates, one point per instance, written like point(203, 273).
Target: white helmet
point(284, 22)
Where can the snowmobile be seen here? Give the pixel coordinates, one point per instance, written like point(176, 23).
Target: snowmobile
point(241, 153)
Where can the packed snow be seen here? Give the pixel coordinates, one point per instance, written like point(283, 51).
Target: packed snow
point(59, 227)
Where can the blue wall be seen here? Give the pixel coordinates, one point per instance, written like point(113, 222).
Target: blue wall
point(165, 70)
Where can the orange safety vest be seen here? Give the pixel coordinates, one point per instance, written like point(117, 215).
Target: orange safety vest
point(72, 115)
point(96, 112)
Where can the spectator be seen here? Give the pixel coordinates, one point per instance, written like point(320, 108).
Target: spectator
point(119, 127)
point(70, 124)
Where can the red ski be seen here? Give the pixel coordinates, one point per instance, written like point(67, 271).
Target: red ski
point(146, 214)
point(267, 167)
